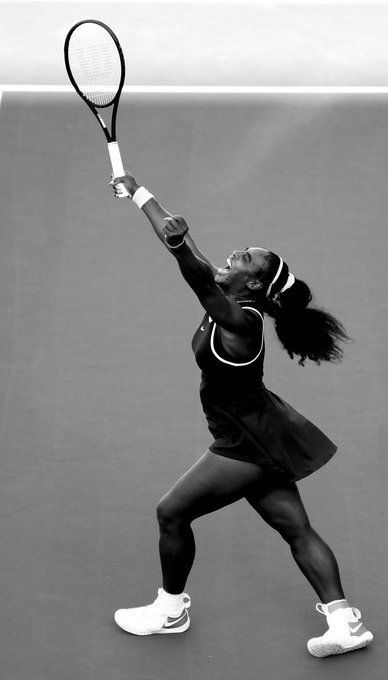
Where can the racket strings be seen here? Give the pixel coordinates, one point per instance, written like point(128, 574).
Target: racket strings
point(95, 63)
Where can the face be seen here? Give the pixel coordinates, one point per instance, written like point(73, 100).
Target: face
point(242, 270)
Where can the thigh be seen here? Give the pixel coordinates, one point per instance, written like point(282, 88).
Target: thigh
point(210, 484)
point(280, 505)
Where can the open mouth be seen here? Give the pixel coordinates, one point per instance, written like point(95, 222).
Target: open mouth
point(225, 270)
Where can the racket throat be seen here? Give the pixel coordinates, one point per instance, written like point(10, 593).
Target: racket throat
point(101, 122)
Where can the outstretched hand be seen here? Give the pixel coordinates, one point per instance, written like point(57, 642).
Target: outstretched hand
point(175, 230)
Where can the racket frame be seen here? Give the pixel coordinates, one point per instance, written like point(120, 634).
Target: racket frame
point(111, 138)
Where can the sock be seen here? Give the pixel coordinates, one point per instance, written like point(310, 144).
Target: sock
point(337, 604)
point(174, 603)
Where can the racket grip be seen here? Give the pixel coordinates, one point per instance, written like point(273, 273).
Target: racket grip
point(117, 167)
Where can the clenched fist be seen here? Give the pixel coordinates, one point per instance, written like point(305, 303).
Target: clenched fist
point(175, 230)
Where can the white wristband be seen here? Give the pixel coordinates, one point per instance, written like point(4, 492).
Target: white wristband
point(141, 196)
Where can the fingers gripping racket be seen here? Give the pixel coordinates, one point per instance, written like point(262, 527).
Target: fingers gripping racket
point(95, 65)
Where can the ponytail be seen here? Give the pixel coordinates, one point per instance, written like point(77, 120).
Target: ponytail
point(308, 332)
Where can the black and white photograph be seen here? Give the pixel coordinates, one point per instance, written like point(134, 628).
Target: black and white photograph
point(193, 340)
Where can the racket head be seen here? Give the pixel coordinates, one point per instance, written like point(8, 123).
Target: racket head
point(95, 62)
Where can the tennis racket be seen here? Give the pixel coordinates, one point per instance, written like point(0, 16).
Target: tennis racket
point(95, 65)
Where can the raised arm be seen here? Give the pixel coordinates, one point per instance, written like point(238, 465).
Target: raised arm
point(156, 215)
point(196, 269)
point(224, 311)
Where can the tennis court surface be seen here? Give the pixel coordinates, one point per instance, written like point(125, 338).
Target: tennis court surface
point(99, 398)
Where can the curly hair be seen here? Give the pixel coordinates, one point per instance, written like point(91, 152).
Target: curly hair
point(308, 332)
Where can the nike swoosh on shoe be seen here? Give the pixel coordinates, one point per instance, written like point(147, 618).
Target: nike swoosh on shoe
point(356, 630)
point(170, 623)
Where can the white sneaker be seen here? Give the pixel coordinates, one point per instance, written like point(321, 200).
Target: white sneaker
point(153, 618)
point(346, 632)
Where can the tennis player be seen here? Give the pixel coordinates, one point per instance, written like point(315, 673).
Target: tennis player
point(262, 446)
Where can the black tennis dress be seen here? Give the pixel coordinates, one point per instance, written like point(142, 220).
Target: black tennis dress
point(248, 421)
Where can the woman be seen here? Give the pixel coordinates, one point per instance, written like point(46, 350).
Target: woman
point(262, 446)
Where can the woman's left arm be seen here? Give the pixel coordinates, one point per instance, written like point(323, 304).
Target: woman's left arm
point(196, 269)
point(226, 313)
point(156, 215)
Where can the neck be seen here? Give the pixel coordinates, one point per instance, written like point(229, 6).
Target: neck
point(241, 297)
point(242, 294)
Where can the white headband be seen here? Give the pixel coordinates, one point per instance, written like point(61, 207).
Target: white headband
point(276, 277)
point(290, 281)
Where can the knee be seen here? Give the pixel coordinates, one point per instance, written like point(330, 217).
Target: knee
point(297, 534)
point(168, 514)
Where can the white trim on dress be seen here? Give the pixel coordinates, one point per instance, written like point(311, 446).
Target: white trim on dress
point(231, 363)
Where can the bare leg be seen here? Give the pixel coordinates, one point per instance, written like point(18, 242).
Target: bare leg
point(177, 553)
point(317, 562)
point(280, 505)
point(213, 482)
